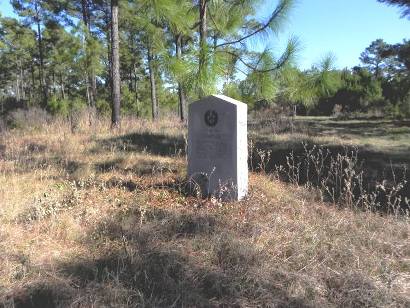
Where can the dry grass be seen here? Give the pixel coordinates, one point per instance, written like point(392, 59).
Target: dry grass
point(96, 219)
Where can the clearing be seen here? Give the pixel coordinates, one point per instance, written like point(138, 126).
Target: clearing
point(97, 218)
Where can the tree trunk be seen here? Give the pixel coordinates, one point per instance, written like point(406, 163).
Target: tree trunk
point(43, 90)
point(203, 35)
point(130, 80)
point(62, 87)
point(377, 71)
point(22, 83)
point(91, 78)
point(54, 83)
point(87, 91)
point(17, 88)
point(203, 29)
point(136, 90)
point(108, 81)
point(115, 55)
point(33, 83)
point(181, 91)
point(85, 12)
point(93, 87)
point(154, 102)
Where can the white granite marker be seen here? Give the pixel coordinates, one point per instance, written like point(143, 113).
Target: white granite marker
point(218, 147)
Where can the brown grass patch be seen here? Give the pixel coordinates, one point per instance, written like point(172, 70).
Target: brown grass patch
point(86, 224)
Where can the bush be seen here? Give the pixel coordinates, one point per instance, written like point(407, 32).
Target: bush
point(399, 110)
point(130, 104)
point(77, 105)
point(65, 107)
point(404, 106)
point(3, 125)
point(58, 106)
point(33, 118)
point(103, 107)
point(9, 104)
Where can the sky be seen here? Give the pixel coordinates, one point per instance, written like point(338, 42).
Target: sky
point(343, 27)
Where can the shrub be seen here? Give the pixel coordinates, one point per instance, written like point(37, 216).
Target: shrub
point(58, 106)
point(399, 110)
point(404, 106)
point(33, 118)
point(65, 107)
point(103, 107)
point(77, 104)
point(9, 104)
point(3, 125)
point(130, 104)
point(340, 178)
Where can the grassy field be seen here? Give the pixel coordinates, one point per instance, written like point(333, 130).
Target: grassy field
point(100, 218)
point(378, 151)
point(386, 139)
point(385, 136)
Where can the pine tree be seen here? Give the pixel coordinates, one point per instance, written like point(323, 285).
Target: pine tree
point(373, 57)
point(35, 13)
point(115, 55)
point(232, 26)
point(153, 21)
point(65, 58)
point(403, 4)
point(88, 12)
point(17, 50)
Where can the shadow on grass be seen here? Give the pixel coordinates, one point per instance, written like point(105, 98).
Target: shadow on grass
point(377, 166)
point(361, 128)
point(157, 144)
point(163, 258)
point(141, 168)
point(152, 269)
point(172, 184)
point(2, 151)
point(298, 166)
point(43, 294)
point(375, 163)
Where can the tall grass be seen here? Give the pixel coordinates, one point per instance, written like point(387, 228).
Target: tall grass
point(89, 220)
point(340, 178)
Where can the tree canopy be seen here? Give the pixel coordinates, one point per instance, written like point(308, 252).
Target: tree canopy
point(151, 58)
point(403, 4)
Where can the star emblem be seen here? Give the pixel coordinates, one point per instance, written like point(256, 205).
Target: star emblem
point(211, 118)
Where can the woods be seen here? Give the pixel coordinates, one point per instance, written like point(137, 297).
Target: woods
point(159, 55)
point(151, 58)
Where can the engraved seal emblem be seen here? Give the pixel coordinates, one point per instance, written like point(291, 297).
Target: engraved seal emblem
point(211, 118)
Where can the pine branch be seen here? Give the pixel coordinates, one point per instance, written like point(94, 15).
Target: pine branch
point(404, 5)
point(213, 20)
point(276, 13)
point(283, 60)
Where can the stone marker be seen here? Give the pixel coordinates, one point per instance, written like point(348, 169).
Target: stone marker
point(218, 147)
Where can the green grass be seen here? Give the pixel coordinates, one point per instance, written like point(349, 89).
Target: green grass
point(381, 135)
point(381, 143)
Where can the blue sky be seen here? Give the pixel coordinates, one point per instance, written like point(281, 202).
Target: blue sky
point(343, 27)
